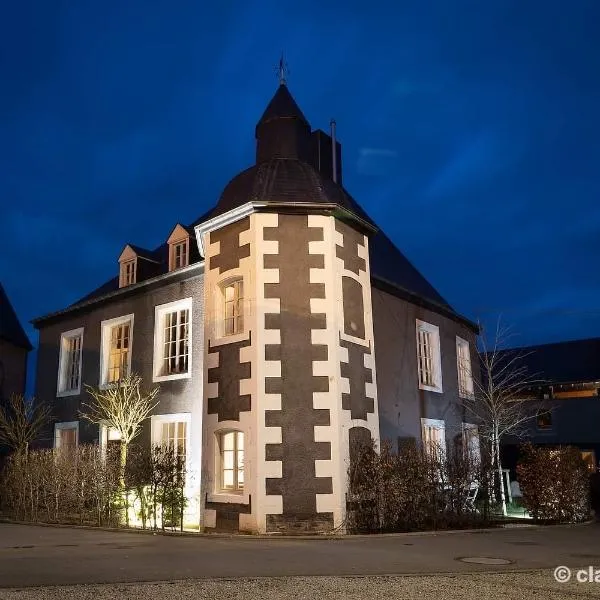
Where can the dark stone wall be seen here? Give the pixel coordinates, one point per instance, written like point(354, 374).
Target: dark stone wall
point(231, 370)
point(175, 396)
point(297, 417)
point(230, 250)
point(400, 401)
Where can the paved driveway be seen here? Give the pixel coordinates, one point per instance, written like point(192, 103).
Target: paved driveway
point(31, 556)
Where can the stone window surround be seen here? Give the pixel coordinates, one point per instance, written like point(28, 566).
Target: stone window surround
point(68, 425)
point(436, 357)
point(465, 388)
point(105, 339)
point(159, 333)
point(62, 364)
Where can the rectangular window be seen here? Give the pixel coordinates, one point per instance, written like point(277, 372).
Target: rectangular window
point(231, 446)
point(174, 435)
point(115, 363)
point(175, 345)
point(172, 335)
point(69, 371)
point(172, 430)
point(471, 444)
point(544, 419)
point(66, 435)
point(463, 365)
point(428, 357)
point(128, 272)
point(233, 307)
point(118, 354)
point(180, 254)
point(433, 433)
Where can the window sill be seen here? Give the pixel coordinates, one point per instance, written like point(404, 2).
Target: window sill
point(429, 388)
point(68, 393)
point(230, 339)
point(157, 378)
point(229, 498)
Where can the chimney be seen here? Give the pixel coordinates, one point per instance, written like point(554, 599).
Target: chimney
point(333, 151)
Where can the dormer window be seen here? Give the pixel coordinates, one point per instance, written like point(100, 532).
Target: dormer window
point(179, 256)
point(128, 272)
point(179, 248)
point(128, 266)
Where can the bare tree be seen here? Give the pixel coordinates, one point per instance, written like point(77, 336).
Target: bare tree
point(21, 421)
point(123, 407)
point(501, 402)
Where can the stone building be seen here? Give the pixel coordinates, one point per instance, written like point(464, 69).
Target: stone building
point(281, 326)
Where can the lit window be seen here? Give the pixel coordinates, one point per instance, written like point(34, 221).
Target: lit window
point(172, 351)
point(66, 435)
point(172, 431)
point(231, 447)
point(544, 419)
point(428, 357)
point(179, 255)
point(69, 373)
point(116, 349)
point(463, 365)
point(433, 433)
point(589, 458)
point(119, 352)
point(175, 345)
point(128, 270)
point(233, 307)
point(174, 435)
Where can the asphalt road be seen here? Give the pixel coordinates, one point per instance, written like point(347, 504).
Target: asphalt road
point(43, 556)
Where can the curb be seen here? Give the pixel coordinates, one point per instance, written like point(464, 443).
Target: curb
point(276, 536)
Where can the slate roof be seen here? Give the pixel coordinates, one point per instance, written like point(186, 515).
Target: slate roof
point(294, 182)
point(10, 327)
point(282, 106)
point(576, 361)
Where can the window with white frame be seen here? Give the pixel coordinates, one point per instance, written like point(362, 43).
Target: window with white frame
point(128, 272)
point(66, 435)
point(463, 366)
point(471, 444)
point(231, 460)
point(232, 295)
point(172, 335)
point(173, 431)
point(179, 254)
point(115, 362)
point(428, 357)
point(433, 432)
point(69, 369)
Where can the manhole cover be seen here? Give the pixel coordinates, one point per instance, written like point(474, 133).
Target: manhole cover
point(485, 560)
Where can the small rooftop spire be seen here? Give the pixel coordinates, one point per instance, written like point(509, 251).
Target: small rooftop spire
point(282, 71)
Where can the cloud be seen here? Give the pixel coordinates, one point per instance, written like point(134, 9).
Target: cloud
point(375, 161)
point(480, 157)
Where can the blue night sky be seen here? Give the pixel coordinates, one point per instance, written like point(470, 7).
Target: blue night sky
point(469, 129)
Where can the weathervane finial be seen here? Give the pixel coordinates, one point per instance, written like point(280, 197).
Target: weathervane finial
point(282, 70)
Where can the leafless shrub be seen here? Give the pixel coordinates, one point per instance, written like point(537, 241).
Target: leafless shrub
point(21, 420)
point(555, 484)
point(409, 490)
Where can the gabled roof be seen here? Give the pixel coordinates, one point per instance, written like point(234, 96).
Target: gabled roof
point(10, 327)
point(575, 361)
